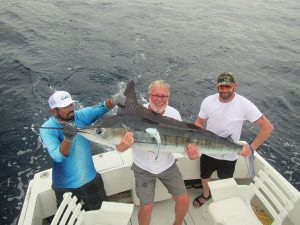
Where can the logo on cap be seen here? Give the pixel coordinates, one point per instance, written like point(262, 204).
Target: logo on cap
point(65, 97)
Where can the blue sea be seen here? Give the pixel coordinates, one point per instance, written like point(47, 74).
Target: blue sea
point(91, 48)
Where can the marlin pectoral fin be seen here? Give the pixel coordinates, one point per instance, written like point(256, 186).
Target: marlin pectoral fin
point(153, 132)
point(124, 126)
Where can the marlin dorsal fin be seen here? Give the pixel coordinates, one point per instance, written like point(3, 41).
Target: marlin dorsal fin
point(131, 101)
point(130, 91)
point(135, 110)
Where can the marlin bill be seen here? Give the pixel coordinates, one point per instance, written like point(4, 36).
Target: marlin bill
point(153, 132)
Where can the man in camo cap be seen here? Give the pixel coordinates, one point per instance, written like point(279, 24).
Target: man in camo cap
point(224, 113)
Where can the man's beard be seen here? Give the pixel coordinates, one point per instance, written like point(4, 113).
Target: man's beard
point(69, 117)
point(226, 96)
point(158, 109)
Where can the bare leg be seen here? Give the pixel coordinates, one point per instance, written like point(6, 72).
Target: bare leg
point(200, 200)
point(145, 214)
point(205, 187)
point(182, 203)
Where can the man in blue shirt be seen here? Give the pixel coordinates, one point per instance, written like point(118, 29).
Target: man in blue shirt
point(73, 168)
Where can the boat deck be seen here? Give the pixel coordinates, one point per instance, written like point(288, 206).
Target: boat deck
point(163, 212)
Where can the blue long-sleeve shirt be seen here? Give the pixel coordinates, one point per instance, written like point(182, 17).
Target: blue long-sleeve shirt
point(77, 168)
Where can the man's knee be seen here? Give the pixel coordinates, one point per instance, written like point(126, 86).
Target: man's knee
point(183, 199)
point(146, 208)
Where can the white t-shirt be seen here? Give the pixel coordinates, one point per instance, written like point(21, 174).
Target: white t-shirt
point(226, 119)
point(146, 160)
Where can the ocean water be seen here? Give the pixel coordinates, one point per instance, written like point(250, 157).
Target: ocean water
point(90, 48)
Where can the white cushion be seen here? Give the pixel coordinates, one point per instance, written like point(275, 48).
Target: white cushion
point(232, 211)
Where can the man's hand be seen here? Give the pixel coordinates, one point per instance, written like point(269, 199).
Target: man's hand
point(118, 99)
point(69, 132)
point(126, 142)
point(246, 151)
point(192, 151)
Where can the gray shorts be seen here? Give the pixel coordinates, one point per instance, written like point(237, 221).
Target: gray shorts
point(145, 182)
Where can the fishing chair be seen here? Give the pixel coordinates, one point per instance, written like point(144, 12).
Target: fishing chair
point(111, 213)
point(268, 200)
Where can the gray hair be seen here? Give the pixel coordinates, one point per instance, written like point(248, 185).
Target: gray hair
point(157, 83)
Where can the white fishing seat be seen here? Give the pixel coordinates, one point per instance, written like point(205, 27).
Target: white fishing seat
point(232, 203)
point(111, 213)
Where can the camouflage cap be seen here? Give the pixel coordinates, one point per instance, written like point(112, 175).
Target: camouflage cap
point(226, 78)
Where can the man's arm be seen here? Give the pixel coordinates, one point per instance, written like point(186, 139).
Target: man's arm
point(200, 122)
point(117, 99)
point(65, 147)
point(265, 131)
point(192, 149)
point(108, 104)
point(69, 132)
point(126, 143)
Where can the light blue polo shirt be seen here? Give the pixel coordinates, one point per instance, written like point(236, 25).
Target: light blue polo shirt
point(77, 168)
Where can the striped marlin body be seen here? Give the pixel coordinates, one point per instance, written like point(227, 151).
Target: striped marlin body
point(153, 132)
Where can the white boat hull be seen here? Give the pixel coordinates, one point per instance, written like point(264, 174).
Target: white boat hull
point(115, 169)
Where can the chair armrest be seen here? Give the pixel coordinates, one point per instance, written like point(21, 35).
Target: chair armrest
point(113, 213)
point(227, 188)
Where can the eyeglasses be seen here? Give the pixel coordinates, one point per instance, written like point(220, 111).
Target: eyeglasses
point(162, 97)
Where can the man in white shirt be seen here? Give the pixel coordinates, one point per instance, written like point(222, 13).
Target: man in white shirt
point(224, 114)
point(148, 166)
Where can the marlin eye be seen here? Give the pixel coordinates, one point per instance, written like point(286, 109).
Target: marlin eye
point(98, 131)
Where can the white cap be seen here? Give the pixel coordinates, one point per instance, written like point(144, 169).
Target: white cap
point(60, 99)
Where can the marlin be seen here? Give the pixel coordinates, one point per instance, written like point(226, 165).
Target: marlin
point(154, 132)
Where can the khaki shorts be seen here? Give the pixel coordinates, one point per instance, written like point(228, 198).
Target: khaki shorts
point(145, 182)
